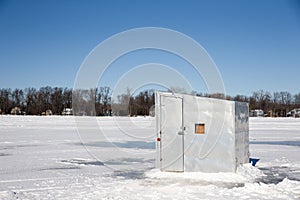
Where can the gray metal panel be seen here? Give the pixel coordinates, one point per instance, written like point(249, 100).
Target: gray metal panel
point(242, 132)
point(214, 150)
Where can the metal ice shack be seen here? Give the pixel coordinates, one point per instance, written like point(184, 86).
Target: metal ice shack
point(199, 134)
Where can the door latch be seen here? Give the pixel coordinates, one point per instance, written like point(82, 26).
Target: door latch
point(181, 132)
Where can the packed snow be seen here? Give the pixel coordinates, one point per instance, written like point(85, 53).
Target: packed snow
point(66, 157)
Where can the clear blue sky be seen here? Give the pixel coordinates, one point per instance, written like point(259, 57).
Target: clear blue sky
point(255, 44)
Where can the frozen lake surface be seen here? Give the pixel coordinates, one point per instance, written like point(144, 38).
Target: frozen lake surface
point(113, 158)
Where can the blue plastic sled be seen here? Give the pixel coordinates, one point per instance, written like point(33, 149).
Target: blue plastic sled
point(253, 161)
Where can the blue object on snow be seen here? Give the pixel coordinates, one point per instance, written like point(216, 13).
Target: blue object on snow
point(253, 161)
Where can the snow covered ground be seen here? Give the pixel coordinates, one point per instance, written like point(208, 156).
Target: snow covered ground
point(113, 158)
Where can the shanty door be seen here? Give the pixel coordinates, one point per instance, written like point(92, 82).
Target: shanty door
point(171, 134)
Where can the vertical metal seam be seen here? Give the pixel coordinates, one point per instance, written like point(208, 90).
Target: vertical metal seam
point(160, 133)
point(183, 129)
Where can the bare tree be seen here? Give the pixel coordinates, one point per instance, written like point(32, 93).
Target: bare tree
point(122, 107)
point(262, 100)
point(31, 101)
point(285, 101)
point(67, 98)
point(297, 100)
point(241, 98)
point(57, 101)
point(6, 103)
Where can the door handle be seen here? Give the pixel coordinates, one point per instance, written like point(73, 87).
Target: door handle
point(181, 132)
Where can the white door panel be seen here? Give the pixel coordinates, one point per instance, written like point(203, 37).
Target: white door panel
point(171, 134)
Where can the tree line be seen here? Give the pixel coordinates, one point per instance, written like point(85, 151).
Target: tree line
point(34, 102)
point(98, 101)
point(276, 104)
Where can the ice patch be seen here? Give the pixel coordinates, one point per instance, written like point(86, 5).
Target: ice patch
point(83, 162)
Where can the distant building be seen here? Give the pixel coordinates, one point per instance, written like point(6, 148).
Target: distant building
point(294, 113)
point(257, 113)
point(16, 111)
point(48, 112)
point(152, 111)
point(67, 111)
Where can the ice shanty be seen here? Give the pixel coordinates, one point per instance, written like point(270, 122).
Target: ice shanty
point(199, 134)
